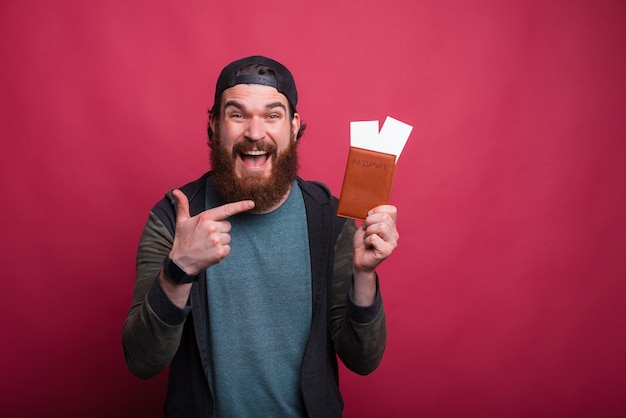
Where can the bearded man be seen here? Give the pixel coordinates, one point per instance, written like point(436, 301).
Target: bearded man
point(248, 285)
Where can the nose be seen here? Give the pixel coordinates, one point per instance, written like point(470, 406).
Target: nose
point(255, 130)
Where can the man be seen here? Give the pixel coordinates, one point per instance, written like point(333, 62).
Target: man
point(248, 285)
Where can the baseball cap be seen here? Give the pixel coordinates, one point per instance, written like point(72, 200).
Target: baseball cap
point(283, 80)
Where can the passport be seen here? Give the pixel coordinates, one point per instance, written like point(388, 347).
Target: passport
point(367, 182)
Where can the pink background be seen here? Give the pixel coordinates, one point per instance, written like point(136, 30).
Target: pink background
point(506, 296)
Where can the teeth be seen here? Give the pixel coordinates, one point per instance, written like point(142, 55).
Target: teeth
point(255, 152)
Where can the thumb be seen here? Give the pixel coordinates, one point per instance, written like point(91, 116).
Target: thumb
point(182, 205)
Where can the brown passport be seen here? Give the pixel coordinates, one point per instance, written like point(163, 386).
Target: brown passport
point(367, 182)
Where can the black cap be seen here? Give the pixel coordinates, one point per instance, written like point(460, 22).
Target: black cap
point(283, 81)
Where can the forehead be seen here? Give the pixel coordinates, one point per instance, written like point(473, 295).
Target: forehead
point(253, 94)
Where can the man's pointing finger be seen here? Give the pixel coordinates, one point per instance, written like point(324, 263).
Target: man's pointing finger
point(225, 211)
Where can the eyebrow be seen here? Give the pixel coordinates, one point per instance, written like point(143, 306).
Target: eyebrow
point(276, 104)
point(234, 104)
point(241, 107)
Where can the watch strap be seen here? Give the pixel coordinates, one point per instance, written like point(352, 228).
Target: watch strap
point(176, 273)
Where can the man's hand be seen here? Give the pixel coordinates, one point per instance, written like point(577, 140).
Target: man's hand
point(373, 243)
point(376, 239)
point(203, 240)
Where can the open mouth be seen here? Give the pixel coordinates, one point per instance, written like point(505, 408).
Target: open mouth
point(254, 158)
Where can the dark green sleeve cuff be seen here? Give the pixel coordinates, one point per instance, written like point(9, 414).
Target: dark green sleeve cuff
point(163, 306)
point(364, 314)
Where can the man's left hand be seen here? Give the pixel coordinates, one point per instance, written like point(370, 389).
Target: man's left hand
point(376, 239)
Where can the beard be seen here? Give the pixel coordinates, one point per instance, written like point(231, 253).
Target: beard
point(266, 192)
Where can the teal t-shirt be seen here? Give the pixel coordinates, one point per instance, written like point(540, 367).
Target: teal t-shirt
point(259, 305)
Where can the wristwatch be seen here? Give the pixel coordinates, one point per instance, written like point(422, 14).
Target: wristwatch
point(176, 273)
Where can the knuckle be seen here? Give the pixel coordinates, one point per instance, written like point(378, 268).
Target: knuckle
point(204, 217)
point(223, 252)
point(211, 228)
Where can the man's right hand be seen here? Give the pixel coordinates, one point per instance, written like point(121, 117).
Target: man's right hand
point(203, 240)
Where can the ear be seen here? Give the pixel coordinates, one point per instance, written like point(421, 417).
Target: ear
point(213, 126)
point(295, 126)
point(213, 123)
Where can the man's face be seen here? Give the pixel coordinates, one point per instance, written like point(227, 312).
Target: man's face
point(253, 152)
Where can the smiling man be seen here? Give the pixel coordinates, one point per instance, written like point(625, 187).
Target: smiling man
point(248, 285)
point(254, 155)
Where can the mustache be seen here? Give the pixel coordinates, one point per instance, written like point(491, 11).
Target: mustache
point(247, 146)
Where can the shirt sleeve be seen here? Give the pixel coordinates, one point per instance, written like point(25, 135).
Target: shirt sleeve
point(359, 333)
point(153, 328)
